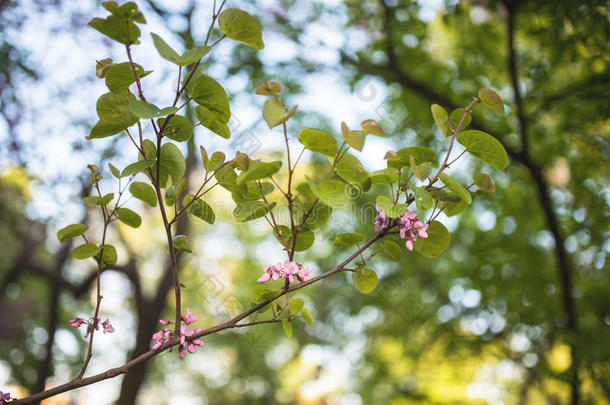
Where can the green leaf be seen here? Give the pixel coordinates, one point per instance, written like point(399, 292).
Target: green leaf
point(403, 156)
point(215, 162)
point(120, 76)
point(421, 171)
point(318, 141)
point(387, 206)
point(484, 182)
point(287, 326)
point(251, 210)
point(273, 113)
point(166, 51)
point(258, 170)
point(442, 195)
point(136, 167)
point(71, 231)
point(491, 100)
point(349, 239)
point(332, 193)
point(85, 251)
point(456, 116)
point(143, 109)
point(107, 102)
point(209, 93)
point(117, 120)
point(109, 255)
point(423, 199)
point(307, 316)
point(319, 216)
point(179, 128)
point(115, 172)
point(355, 139)
point(204, 155)
point(384, 176)
point(181, 243)
point(350, 169)
point(392, 249)
point(210, 120)
point(227, 178)
point(189, 57)
point(305, 238)
point(295, 305)
point(453, 208)
point(454, 186)
point(269, 89)
point(262, 293)
point(441, 119)
point(112, 27)
point(94, 200)
point(172, 163)
point(436, 243)
point(128, 217)
point(144, 192)
point(365, 281)
point(241, 26)
point(485, 147)
point(200, 209)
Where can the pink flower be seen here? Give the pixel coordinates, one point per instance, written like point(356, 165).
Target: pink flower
point(161, 337)
point(4, 396)
point(410, 228)
point(76, 322)
point(164, 322)
point(381, 220)
point(108, 328)
point(287, 271)
point(189, 318)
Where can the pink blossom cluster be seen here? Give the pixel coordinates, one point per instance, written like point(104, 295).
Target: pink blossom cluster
point(165, 335)
point(77, 322)
point(409, 226)
point(4, 397)
point(287, 270)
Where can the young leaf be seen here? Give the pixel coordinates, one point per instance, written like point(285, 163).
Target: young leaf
point(287, 326)
point(349, 239)
point(365, 281)
point(120, 76)
point(484, 182)
point(71, 231)
point(145, 110)
point(454, 186)
point(109, 255)
point(371, 127)
point(273, 113)
point(144, 192)
point(181, 243)
point(421, 154)
point(128, 217)
point(436, 243)
point(355, 139)
point(115, 172)
point(350, 169)
point(441, 119)
point(85, 251)
point(200, 209)
point(485, 147)
point(251, 210)
point(242, 27)
point(215, 162)
point(117, 120)
point(492, 100)
point(318, 141)
point(295, 305)
point(307, 316)
point(94, 200)
point(268, 89)
point(109, 101)
point(166, 51)
point(456, 116)
point(421, 171)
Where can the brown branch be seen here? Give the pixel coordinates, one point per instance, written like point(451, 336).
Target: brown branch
point(230, 324)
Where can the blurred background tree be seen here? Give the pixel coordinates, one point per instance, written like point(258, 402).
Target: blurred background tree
point(516, 311)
